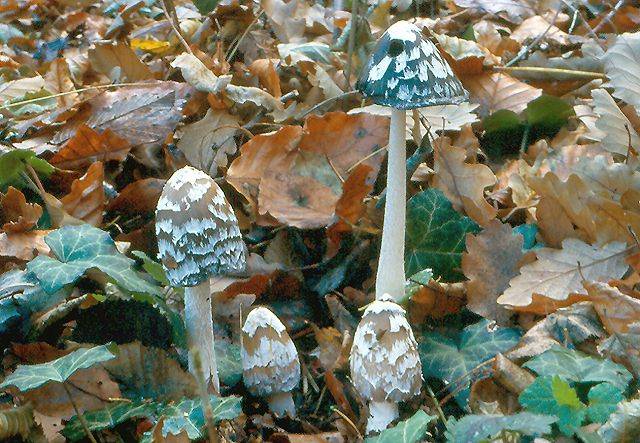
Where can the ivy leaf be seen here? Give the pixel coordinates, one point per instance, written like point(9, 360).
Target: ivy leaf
point(78, 249)
point(603, 400)
point(451, 358)
point(553, 395)
point(478, 428)
point(188, 416)
point(408, 431)
point(27, 377)
point(576, 366)
point(107, 418)
point(229, 363)
point(435, 235)
point(623, 426)
point(13, 164)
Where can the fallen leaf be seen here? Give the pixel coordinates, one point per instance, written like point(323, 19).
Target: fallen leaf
point(618, 133)
point(492, 259)
point(58, 80)
point(117, 61)
point(88, 146)
point(622, 66)
point(16, 215)
point(86, 201)
point(198, 75)
point(23, 245)
point(140, 196)
point(266, 72)
point(512, 10)
point(557, 273)
point(536, 26)
point(615, 309)
point(495, 91)
point(349, 207)
point(462, 183)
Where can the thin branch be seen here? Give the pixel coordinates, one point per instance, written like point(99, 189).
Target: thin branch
point(567, 72)
point(170, 12)
point(351, 46)
point(83, 421)
point(528, 48)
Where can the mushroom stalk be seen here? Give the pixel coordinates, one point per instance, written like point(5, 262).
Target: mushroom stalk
point(390, 278)
point(281, 404)
point(381, 414)
point(199, 327)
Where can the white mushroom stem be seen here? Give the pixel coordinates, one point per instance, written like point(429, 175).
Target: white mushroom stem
point(199, 327)
point(281, 404)
point(381, 414)
point(390, 278)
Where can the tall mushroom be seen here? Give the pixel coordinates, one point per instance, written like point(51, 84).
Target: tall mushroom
point(404, 72)
point(385, 365)
point(270, 363)
point(198, 237)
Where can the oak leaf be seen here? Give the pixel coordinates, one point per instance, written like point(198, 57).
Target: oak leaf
point(463, 183)
point(16, 215)
point(616, 309)
point(616, 131)
point(494, 91)
point(558, 273)
point(87, 200)
point(622, 66)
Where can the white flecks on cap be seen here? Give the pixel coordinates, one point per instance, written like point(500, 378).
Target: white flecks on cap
point(197, 230)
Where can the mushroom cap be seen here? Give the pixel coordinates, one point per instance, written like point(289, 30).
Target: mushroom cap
point(385, 365)
point(406, 71)
point(270, 361)
point(197, 230)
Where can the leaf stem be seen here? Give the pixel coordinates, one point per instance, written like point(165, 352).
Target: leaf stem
point(538, 69)
point(83, 421)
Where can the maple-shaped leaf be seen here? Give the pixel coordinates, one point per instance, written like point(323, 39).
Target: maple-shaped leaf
point(452, 358)
point(435, 235)
point(557, 273)
point(622, 66)
point(463, 183)
point(491, 261)
point(616, 129)
point(87, 199)
point(27, 377)
point(479, 428)
point(78, 249)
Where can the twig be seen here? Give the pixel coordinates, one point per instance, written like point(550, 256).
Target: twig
point(335, 171)
point(76, 91)
point(437, 404)
point(607, 18)
point(83, 421)
point(170, 12)
point(526, 49)
point(364, 159)
point(567, 72)
point(325, 102)
point(352, 40)
point(231, 51)
point(347, 419)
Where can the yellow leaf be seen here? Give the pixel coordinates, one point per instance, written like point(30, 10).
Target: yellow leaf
point(152, 46)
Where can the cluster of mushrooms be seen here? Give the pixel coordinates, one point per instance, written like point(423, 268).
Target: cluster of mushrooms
point(198, 238)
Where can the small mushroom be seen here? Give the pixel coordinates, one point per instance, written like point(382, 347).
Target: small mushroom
point(385, 365)
point(198, 237)
point(404, 72)
point(270, 363)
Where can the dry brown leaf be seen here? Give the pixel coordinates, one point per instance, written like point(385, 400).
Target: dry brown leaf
point(119, 62)
point(266, 72)
point(622, 66)
point(487, 35)
point(494, 91)
point(198, 75)
point(435, 301)
point(468, 56)
point(512, 10)
point(537, 26)
point(23, 245)
point(16, 215)
point(208, 142)
point(87, 200)
point(463, 183)
point(615, 128)
point(140, 196)
point(615, 309)
point(289, 174)
point(557, 273)
point(349, 207)
point(89, 146)
point(492, 259)
point(58, 80)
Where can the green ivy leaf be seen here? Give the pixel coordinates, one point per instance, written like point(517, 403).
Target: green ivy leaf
point(553, 395)
point(107, 418)
point(478, 428)
point(408, 431)
point(27, 377)
point(188, 416)
point(229, 363)
point(603, 400)
point(623, 425)
point(14, 163)
point(576, 366)
point(435, 235)
point(78, 249)
point(452, 358)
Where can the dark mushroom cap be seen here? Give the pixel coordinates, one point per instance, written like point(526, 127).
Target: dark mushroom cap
point(197, 230)
point(406, 71)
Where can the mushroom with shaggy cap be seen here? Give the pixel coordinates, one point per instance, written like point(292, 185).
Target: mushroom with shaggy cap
point(198, 237)
point(270, 363)
point(404, 72)
point(385, 365)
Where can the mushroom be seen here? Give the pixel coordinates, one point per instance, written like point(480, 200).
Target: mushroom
point(198, 237)
point(270, 363)
point(385, 365)
point(404, 72)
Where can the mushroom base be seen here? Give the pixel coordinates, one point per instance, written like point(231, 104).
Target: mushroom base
point(198, 322)
point(281, 404)
point(381, 414)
